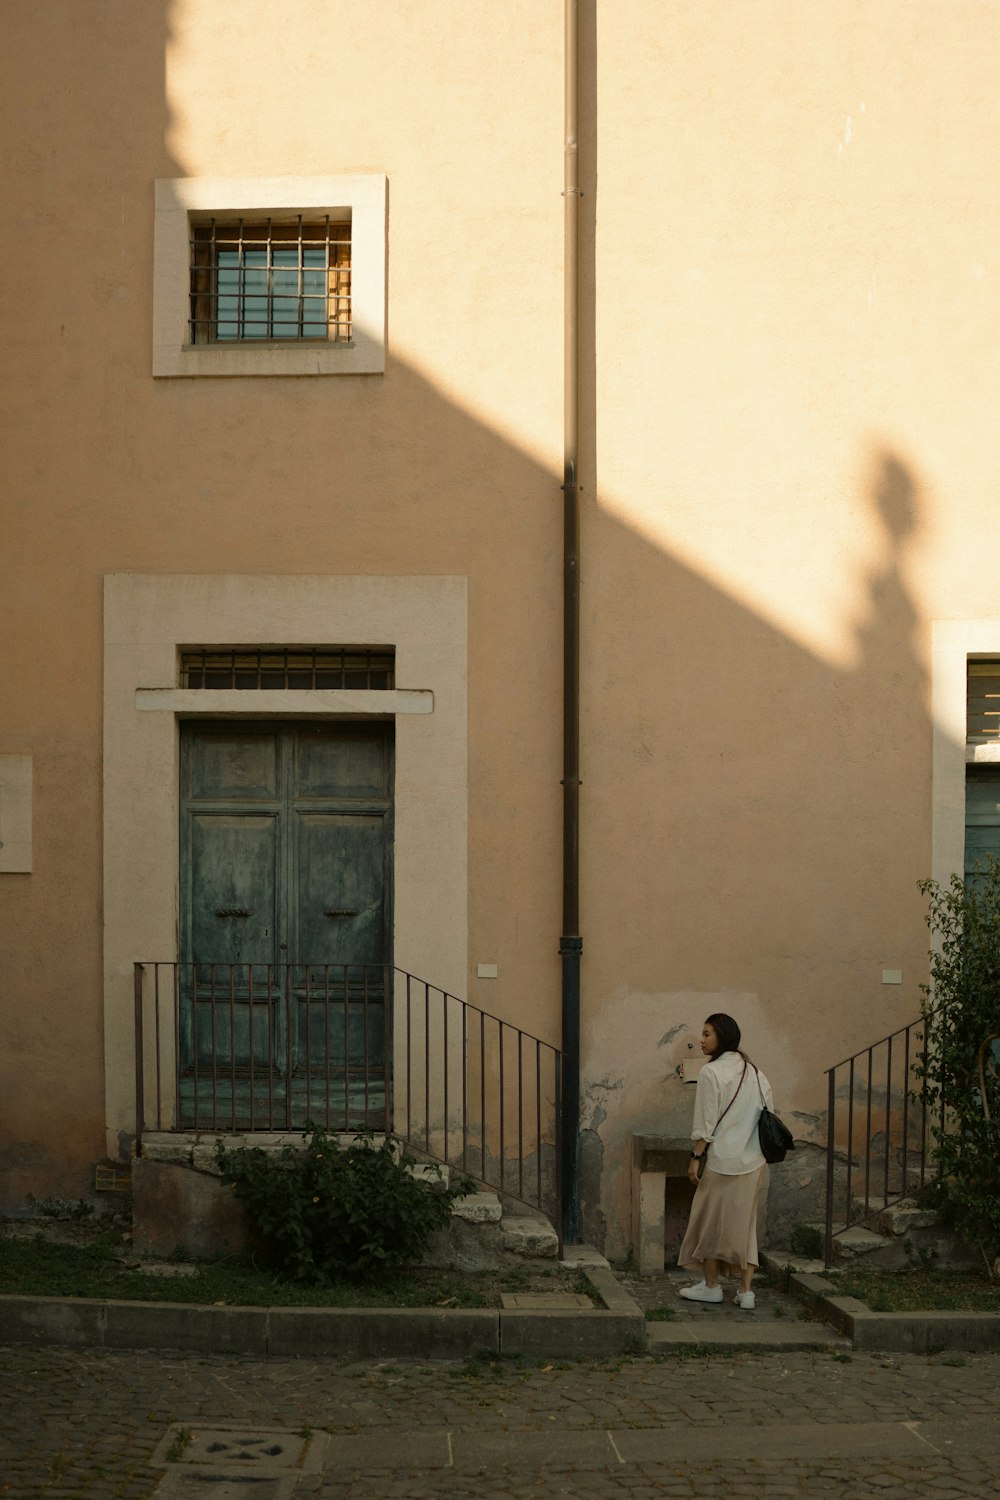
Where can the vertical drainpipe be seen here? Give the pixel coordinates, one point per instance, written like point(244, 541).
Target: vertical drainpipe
point(571, 942)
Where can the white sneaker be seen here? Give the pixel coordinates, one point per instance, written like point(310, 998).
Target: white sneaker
point(745, 1300)
point(702, 1293)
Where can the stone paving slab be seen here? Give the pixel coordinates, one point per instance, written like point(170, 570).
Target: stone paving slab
point(730, 1336)
point(546, 1301)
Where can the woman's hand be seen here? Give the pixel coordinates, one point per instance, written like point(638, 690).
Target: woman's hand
point(693, 1177)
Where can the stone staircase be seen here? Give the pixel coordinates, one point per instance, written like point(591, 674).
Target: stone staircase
point(897, 1235)
point(500, 1228)
point(177, 1181)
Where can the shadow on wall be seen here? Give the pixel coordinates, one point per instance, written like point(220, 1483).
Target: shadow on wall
point(776, 824)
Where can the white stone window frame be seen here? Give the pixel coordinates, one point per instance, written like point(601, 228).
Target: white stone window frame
point(954, 643)
point(361, 197)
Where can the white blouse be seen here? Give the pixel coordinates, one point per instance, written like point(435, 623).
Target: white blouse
point(734, 1148)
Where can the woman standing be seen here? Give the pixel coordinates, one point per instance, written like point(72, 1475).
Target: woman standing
point(721, 1235)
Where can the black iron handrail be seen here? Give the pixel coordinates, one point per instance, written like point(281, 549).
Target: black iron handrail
point(237, 1048)
point(886, 1129)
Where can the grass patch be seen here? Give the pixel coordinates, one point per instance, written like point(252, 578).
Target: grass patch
point(660, 1314)
point(921, 1290)
point(41, 1268)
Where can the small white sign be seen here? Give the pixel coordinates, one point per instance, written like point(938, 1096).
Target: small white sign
point(892, 976)
point(487, 971)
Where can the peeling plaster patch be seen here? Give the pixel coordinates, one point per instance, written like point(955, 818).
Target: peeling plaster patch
point(813, 1120)
point(592, 1222)
point(668, 1036)
point(631, 1077)
point(598, 1118)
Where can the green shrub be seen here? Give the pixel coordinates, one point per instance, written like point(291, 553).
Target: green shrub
point(327, 1211)
point(806, 1240)
point(961, 1009)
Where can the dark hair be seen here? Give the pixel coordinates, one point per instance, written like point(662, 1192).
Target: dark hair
point(727, 1031)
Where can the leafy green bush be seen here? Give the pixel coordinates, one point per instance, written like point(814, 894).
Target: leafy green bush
point(327, 1211)
point(961, 1009)
point(806, 1240)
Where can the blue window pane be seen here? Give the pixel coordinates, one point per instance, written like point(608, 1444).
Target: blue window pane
point(286, 318)
point(314, 317)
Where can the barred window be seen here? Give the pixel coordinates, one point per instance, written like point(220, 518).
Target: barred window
point(983, 702)
point(274, 279)
point(247, 667)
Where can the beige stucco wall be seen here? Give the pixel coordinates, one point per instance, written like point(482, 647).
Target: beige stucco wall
point(789, 336)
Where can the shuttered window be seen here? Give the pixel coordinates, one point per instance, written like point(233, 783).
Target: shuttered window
point(983, 702)
point(354, 667)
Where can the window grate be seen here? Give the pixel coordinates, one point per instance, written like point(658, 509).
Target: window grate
point(273, 280)
point(290, 667)
point(983, 702)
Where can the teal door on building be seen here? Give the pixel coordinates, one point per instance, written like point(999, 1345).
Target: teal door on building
point(285, 941)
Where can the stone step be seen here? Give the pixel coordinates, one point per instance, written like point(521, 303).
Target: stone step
point(906, 1215)
point(430, 1172)
point(478, 1208)
point(524, 1235)
point(856, 1241)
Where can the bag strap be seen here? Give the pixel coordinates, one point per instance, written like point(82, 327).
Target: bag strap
point(763, 1101)
point(733, 1099)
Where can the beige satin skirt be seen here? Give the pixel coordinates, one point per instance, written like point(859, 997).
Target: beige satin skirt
point(723, 1222)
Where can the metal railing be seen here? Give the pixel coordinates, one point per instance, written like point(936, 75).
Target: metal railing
point(239, 1048)
point(877, 1130)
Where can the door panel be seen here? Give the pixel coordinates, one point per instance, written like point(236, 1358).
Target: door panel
point(286, 923)
point(340, 910)
point(350, 762)
point(340, 864)
point(233, 887)
point(236, 764)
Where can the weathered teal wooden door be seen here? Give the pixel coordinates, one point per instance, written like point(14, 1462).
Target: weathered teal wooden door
point(286, 863)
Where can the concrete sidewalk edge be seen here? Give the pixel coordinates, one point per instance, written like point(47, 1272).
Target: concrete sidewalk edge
point(893, 1332)
point(353, 1333)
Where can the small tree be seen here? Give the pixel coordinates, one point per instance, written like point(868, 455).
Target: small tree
point(961, 1009)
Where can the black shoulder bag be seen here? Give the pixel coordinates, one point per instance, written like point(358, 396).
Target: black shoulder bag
point(774, 1136)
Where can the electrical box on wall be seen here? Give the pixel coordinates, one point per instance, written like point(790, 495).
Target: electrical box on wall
point(15, 814)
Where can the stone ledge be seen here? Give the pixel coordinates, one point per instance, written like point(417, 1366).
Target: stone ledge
point(894, 1332)
point(401, 1333)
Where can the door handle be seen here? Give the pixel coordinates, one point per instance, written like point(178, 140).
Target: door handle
point(339, 911)
point(233, 911)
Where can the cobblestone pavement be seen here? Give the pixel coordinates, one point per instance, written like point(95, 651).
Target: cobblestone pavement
point(85, 1423)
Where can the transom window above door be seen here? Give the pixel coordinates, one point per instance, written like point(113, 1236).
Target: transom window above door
point(290, 667)
point(270, 279)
